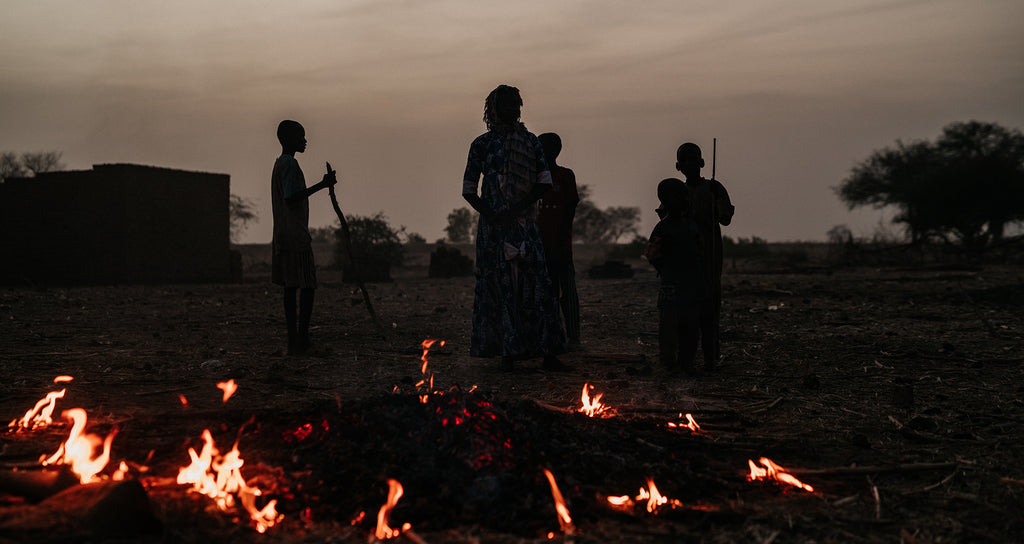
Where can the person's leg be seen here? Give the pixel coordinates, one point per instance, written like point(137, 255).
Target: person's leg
point(570, 304)
point(290, 317)
point(305, 314)
point(689, 327)
point(668, 338)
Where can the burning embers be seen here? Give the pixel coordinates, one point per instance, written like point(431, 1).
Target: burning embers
point(592, 406)
point(79, 451)
point(210, 473)
point(774, 472)
point(220, 478)
point(649, 495)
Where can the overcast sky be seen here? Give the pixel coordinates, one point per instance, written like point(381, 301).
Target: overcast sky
point(391, 92)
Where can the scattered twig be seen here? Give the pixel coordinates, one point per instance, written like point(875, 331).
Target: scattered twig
point(873, 469)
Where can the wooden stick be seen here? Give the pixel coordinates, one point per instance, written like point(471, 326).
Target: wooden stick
point(846, 471)
point(346, 237)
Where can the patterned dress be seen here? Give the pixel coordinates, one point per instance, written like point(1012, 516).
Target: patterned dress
point(514, 311)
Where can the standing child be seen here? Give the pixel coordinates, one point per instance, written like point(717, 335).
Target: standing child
point(710, 207)
point(556, 210)
point(674, 250)
point(292, 250)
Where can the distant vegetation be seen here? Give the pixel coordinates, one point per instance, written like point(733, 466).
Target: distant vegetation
point(592, 225)
point(29, 165)
point(964, 189)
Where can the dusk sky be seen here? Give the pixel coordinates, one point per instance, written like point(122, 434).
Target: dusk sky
point(392, 92)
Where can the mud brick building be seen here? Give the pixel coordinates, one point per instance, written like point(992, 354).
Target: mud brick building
point(115, 224)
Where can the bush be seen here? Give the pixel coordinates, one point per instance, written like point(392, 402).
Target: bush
point(376, 244)
point(633, 250)
point(744, 247)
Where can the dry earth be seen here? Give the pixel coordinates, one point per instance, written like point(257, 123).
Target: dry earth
point(897, 393)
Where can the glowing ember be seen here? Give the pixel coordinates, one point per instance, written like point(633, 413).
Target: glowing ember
point(79, 449)
point(63, 379)
point(591, 406)
point(228, 387)
point(775, 472)
point(564, 520)
point(184, 401)
point(220, 478)
point(428, 377)
point(384, 531)
point(690, 423)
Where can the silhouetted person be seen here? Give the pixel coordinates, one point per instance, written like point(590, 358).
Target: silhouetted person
point(710, 207)
point(674, 250)
point(292, 250)
point(514, 312)
point(557, 208)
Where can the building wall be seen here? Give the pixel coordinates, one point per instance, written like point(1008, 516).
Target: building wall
point(117, 223)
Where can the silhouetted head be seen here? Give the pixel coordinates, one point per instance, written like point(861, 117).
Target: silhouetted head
point(674, 196)
point(689, 160)
point(503, 108)
point(552, 146)
point(291, 135)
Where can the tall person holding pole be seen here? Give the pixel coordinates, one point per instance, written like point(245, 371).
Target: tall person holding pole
point(711, 208)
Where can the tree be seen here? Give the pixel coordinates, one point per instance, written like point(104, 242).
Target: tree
point(241, 212)
point(603, 226)
point(966, 186)
point(460, 226)
point(29, 164)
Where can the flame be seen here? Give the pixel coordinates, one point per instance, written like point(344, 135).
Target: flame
point(654, 498)
point(564, 519)
point(41, 414)
point(774, 472)
point(79, 448)
point(229, 387)
point(384, 531)
point(121, 472)
point(428, 378)
point(220, 478)
point(690, 423)
point(591, 406)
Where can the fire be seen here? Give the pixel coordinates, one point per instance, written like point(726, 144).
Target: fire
point(564, 519)
point(41, 414)
point(428, 377)
point(384, 531)
point(690, 423)
point(183, 400)
point(220, 478)
point(79, 448)
point(654, 498)
point(773, 471)
point(229, 387)
point(591, 406)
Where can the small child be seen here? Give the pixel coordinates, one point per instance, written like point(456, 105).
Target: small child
point(292, 249)
point(674, 250)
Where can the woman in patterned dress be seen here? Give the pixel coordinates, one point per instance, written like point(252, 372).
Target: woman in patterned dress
point(515, 314)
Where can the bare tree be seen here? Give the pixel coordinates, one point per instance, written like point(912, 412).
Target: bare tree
point(42, 161)
point(242, 211)
point(29, 164)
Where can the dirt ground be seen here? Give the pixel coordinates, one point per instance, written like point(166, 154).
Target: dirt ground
point(895, 392)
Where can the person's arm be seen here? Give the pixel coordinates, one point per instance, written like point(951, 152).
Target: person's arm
point(329, 179)
point(725, 207)
point(471, 178)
